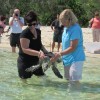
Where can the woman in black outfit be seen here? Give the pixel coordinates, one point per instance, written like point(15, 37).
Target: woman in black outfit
point(29, 50)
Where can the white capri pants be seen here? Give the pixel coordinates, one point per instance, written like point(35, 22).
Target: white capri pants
point(74, 71)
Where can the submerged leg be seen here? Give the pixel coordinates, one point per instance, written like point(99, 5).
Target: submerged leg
point(24, 80)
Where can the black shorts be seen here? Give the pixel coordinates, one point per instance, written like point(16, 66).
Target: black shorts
point(22, 66)
point(57, 37)
point(14, 39)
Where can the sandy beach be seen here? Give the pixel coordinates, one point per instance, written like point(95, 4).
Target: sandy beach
point(47, 34)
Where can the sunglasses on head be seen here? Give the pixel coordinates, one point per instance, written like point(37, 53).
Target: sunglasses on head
point(30, 24)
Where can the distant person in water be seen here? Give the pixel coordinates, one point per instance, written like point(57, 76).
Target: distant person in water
point(95, 25)
point(2, 24)
point(57, 35)
point(16, 23)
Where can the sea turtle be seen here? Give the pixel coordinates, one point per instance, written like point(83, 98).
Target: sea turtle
point(46, 63)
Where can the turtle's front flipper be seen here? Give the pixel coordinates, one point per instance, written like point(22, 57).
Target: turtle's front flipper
point(46, 66)
point(32, 68)
point(56, 71)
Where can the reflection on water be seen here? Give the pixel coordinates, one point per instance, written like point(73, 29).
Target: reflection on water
point(49, 88)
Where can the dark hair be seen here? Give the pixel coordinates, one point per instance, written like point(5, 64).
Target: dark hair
point(2, 18)
point(30, 17)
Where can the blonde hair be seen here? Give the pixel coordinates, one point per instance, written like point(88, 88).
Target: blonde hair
point(67, 14)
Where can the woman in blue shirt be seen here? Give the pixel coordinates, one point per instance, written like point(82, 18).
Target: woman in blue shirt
point(72, 52)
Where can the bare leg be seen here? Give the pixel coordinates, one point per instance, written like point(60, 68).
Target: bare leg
point(58, 46)
point(75, 83)
point(13, 49)
point(53, 45)
point(66, 73)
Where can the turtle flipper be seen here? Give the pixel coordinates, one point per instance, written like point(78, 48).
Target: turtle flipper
point(56, 71)
point(46, 64)
point(32, 68)
point(45, 67)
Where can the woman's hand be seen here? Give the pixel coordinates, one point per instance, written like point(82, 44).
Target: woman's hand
point(57, 55)
point(41, 55)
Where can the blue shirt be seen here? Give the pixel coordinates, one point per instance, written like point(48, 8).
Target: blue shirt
point(69, 34)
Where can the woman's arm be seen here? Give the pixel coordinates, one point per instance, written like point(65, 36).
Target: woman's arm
point(25, 47)
point(44, 49)
point(72, 47)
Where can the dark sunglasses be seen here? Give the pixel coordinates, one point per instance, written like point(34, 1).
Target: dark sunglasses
point(30, 24)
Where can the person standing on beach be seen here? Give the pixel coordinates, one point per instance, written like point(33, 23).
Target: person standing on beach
point(16, 23)
point(95, 25)
point(72, 53)
point(57, 35)
point(29, 49)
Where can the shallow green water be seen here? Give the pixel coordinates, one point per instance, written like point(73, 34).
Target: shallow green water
point(11, 88)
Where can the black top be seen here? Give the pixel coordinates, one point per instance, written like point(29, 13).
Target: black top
point(35, 44)
point(57, 26)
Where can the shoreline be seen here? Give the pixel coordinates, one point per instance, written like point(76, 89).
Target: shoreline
point(47, 35)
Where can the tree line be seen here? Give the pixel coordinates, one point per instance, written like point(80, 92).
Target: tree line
point(48, 9)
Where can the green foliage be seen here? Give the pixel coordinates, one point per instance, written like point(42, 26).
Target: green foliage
point(48, 9)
